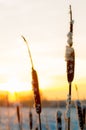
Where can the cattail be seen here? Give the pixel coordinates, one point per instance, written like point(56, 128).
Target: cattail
point(35, 83)
point(36, 91)
point(70, 58)
point(30, 120)
point(70, 62)
point(69, 54)
point(19, 117)
point(84, 116)
point(59, 120)
point(18, 113)
point(36, 128)
point(79, 112)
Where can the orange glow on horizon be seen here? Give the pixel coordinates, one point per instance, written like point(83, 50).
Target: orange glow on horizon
point(45, 30)
point(52, 84)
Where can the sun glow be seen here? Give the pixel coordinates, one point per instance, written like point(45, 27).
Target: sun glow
point(13, 85)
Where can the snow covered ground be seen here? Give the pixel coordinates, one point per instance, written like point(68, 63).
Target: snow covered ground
point(9, 121)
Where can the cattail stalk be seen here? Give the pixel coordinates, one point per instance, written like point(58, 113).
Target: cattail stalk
point(30, 120)
point(35, 85)
point(8, 112)
point(80, 114)
point(84, 116)
point(70, 59)
point(59, 120)
point(18, 116)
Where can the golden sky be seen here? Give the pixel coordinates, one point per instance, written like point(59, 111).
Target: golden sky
point(45, 24)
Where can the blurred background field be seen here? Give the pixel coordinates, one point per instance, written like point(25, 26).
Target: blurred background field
point(8, 118)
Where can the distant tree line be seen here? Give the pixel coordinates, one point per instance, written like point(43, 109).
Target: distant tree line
point(26, 100)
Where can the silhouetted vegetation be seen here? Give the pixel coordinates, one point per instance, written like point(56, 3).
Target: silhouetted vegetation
point(26, 100)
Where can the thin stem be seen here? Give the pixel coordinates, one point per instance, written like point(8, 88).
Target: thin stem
point(39, 121)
